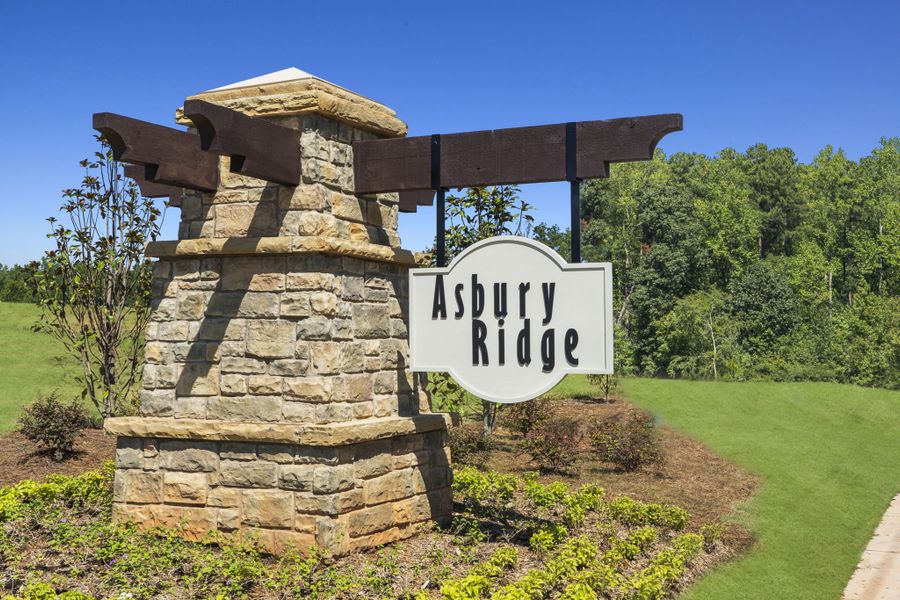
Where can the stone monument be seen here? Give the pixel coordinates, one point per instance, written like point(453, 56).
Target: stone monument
point(276, 397)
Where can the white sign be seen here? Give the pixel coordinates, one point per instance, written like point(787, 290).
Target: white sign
point(509, 318)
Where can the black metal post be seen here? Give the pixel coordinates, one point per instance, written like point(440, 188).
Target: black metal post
point(575, 193)
point(441, 230)
point(574, 189)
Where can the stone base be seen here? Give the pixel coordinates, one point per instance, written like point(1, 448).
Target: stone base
point(341, 498)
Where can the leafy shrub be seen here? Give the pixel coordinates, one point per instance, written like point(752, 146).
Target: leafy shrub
point(54, 424)
point(554, 446)
point(653, 582)
point(481, 576)
point(629, 442)
point(470, 445)
point(484, 488)
point(634, 512)
point(89, 488)
point(525, 416)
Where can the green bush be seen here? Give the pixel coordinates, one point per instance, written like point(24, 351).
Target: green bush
point(629, 441)
point(634, 512)
point(470, 445)
point(554, 446)
point(54, 424)
point(526, 416)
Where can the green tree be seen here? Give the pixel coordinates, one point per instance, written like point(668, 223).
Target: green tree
point(478, 214)
point(94, 286)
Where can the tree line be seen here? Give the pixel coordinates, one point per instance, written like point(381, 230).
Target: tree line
point(751, 264)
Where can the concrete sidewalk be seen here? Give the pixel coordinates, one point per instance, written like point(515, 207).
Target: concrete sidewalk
point(877, 576)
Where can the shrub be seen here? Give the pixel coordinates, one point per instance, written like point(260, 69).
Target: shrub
point(554, 446)
point(525, 416)
point(629, 442)
point(54, 424)
point(470, 445)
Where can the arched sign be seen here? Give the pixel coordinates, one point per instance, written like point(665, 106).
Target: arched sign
point(508, 318)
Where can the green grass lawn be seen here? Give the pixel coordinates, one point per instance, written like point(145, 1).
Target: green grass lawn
point(30, 363)
point(829, 459)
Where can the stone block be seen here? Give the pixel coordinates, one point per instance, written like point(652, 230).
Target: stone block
point(279, 453)
point(308, 389)
point(256, 474)
point(264, 385)
point(198, 379)
point(329, 480)
point(237, 451)
point(233, 385)
point(189, 456)
point(191, 305)
point(369, 520)
point(253, 274)
point(289, 367)
point(142, 487)
point(268, 508)
point(353, 388)
point(224, 497)
point(185, 488)
point(311, 281)
point(189, 408)
point(129, 453)
point(323, 303)
point(314, 328)
point(371, 321)
point(271, 339)
point(234, 364)
point(295, 304)
point(298, 478)
point(325, 357)
point(387, 488)
point(236, 408)
point(228, 519)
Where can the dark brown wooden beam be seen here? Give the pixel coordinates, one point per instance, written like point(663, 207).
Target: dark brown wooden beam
point(171, 157)
point(505, 156)
point(258, 148)
point(153, 190)
point(410, 200)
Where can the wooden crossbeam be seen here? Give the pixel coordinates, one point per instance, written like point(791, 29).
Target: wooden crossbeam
point(171, 157)
point(503, 156)
point(258, 148)
point(153, 190)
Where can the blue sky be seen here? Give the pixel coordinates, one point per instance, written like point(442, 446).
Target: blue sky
point(785, 73)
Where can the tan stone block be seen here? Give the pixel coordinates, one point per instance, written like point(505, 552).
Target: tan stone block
point(278, 453)
point(333, 534)
point(224, 497)
point(236, 408)
point(311, 281)
point(353, 388)
point(191, 305)
point(254, 274)
point(198, 379)
point(371, 321)
point(271, 339)
point(392, 486)
point(234, 364)
point(142, 487)
point(324, 303)
point(129, 453)
point(317, 225)
point(334, 412)
point(159, 376)
point(225, 196)
point(289, 367)
point(298, 478)
point(353, 358)
point(172, 331)
point(412, 510)
point(267, 508)
point(233, 385)
point(303, 197)
point(309, 389)
point(245, 220)
point(315, 328)
point(264, 384)
point(370, 520)
point(237, 451)
point(280, 541)
point(325, 357)
point(157, 403)
point(257, 304)
point(248, 474)
point(299, 412)
point(305, 523)
point(185, 488)
point(331, 479)
point(217, 330)
point(295, 304)
point(345, 206)
point(178, 455)
point(189, 408)
point(154, 352)
point(228, 519)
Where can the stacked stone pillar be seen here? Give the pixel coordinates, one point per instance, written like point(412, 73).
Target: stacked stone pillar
point(276, 397)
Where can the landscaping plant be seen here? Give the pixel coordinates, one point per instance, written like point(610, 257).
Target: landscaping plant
point(554, 445)
point(629, 441)
point(54, 424)
point(94, 285)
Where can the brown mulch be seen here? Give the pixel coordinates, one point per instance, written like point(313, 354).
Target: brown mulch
point(22, 459)
point(692, 476)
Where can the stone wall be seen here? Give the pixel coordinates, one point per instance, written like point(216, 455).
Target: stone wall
point(276, 397)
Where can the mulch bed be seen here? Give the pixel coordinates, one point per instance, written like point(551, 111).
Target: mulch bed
point(22, 459)
point(692, 476)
